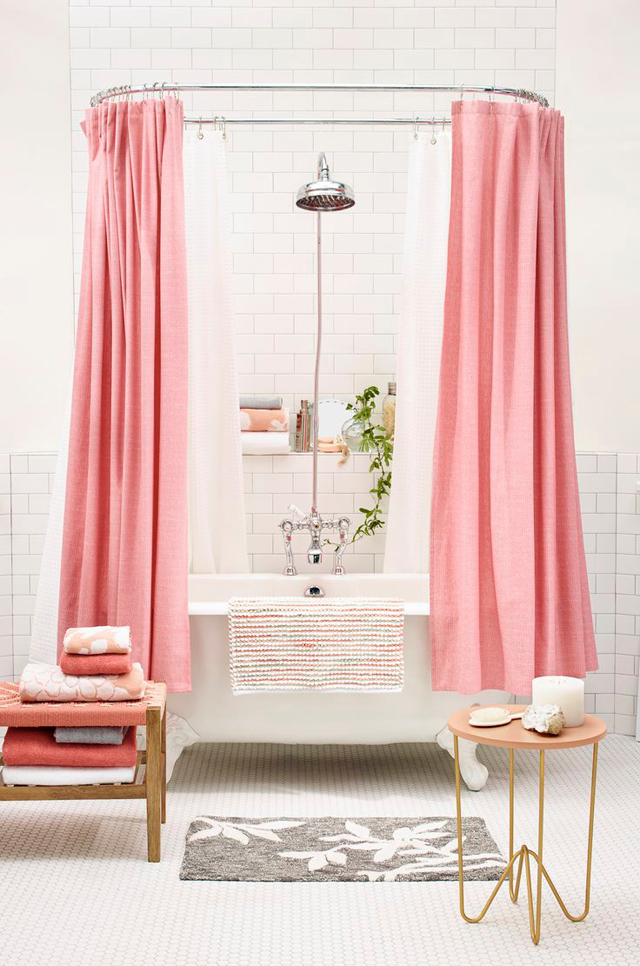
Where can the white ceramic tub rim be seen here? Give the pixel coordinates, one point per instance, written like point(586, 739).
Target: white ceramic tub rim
point(209, 593)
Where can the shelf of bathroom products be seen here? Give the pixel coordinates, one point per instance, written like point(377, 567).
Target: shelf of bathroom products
point(220, 608)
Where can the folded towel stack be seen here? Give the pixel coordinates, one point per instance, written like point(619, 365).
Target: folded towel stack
point(37, 747)
point(264, 423)
point(94, 667)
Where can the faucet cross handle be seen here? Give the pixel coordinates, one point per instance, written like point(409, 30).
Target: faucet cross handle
point(287, 527)
point(343, 536)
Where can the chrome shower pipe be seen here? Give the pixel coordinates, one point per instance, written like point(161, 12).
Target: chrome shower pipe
point(316, 371)
point(323, 172)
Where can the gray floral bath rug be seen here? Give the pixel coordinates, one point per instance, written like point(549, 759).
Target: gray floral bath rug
point(226, 849)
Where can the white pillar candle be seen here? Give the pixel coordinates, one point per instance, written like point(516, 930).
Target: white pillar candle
point(567, 692)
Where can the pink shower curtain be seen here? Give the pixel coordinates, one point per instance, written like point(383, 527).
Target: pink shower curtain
point(124, 553)
point(509, 593)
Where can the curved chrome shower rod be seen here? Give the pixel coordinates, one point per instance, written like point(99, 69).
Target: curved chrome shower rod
point(167, 87)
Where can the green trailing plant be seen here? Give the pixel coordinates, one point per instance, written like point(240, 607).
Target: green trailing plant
point(376, 441)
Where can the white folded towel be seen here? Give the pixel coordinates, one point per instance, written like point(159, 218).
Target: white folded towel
point(49, 775)
point(265, 444)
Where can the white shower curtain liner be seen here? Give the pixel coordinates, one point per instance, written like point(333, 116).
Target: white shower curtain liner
point(418, 351)
point(217, 526)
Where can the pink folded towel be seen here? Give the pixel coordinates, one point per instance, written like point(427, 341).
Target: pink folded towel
point(47, 682)
point(264, 420)
point(97, 640)
point(95, 663)
point(37, 746)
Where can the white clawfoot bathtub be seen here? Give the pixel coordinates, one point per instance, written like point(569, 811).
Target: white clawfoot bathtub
point(415, 714)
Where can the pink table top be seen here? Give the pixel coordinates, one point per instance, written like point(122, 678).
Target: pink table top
point(513, 735)
point(89, 714)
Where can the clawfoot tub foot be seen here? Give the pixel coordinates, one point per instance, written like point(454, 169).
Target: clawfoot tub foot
point(473, 772)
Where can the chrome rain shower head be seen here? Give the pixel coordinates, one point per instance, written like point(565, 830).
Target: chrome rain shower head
point(325, 194)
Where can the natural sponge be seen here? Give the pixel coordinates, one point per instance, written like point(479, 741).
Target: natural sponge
point(547, 719)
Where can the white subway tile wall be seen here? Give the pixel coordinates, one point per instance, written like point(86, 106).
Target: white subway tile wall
point(308, 41)
point(627, 630)
point(29, 487)
point(609, 496)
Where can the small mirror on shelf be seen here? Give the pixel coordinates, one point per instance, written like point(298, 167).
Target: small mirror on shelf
point(332, 415)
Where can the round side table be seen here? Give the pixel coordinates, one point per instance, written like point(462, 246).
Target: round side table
point(514, 737)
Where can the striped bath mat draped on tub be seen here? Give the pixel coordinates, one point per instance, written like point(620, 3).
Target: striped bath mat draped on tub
point(333, 644)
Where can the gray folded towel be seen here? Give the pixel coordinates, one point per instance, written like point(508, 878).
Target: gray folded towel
point(90, 736)
point(260, 402)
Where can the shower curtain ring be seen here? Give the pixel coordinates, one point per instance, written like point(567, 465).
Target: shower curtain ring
point(462, 91)
point(433, 139)
point(224, 128)
point(162, 91)
point(415, 128)
point(200, 132)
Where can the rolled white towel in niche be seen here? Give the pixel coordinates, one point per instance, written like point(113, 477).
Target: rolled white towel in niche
point(265, 444)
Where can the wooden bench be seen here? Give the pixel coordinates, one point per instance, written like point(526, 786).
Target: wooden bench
point(150, 781)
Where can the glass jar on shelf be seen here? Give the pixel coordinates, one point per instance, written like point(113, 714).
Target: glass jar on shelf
point(352, 435)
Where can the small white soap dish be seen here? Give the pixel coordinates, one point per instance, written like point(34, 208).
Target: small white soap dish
point(491, 717)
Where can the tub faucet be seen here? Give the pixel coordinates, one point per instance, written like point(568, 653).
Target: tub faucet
point(314, 523)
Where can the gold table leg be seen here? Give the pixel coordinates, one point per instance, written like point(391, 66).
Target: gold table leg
point(522, 856)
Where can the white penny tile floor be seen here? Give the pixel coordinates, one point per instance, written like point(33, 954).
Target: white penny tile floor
point(76, 888)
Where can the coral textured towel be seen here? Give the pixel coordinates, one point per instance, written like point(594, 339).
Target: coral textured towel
point(97, 640)
point(508, 578)
point(95, 664)
point(47, 682)
point(264, 420)
point(37, 746)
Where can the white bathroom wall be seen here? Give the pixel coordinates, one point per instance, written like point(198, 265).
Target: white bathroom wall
point(375, 41)
point(597, 90)
point(36, 303)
